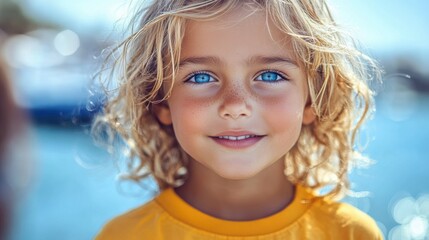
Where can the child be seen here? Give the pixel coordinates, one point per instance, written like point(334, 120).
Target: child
point(241, 111)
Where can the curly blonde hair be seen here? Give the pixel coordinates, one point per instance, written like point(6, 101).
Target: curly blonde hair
point(336, 70)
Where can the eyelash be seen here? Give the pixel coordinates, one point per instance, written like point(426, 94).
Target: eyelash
point(282, 76)
point(192, 75)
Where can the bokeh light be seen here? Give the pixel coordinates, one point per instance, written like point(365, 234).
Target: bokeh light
point(404, 210)
point(55, 56)
point(32, 50)
point(67, 42)
point(412, 215)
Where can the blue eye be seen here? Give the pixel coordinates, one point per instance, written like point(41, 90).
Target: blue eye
point(200, 78)
point(270, 76)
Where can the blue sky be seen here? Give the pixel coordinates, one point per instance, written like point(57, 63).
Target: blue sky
point(385, 24)
point(381, 24)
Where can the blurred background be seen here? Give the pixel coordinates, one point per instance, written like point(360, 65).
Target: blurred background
point(67, 185)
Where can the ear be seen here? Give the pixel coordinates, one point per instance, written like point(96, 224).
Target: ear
point(162, 112)
point(309, 115)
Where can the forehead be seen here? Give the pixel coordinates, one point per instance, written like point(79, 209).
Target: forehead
point(239, 33)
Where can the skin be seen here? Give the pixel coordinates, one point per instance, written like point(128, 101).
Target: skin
point(232, 53)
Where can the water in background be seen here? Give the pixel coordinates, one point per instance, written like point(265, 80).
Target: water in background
point(74, 190)
point(50, 45)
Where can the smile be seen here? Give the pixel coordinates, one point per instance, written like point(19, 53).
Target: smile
point(236, 138)
point(237, 142)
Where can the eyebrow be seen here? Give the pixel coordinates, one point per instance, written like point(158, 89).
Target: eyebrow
point(253, 60)
point(270, 60)
point(199, 60)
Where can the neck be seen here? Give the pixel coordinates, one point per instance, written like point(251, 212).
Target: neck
point(238, 200)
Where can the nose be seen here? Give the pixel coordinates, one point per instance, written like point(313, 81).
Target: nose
point(234, 106)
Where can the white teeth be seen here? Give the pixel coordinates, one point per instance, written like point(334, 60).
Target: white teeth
point(236, 138)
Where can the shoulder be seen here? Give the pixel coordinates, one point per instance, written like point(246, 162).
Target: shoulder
point(345, 219)
point(132, 223)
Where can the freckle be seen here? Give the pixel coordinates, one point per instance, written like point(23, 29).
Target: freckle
point(257, 98)
point(237, 92)
point(208, 103)
point(205, 103)
point(269, 100)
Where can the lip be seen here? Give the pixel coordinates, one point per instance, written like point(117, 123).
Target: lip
point(237, 144)
point(235, 133)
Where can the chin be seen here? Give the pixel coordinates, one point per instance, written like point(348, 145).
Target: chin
point(237, 174)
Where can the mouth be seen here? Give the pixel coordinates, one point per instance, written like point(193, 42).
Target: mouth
point(237, 141)
point(237, 138)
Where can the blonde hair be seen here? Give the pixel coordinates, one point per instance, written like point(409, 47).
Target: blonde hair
point(336, 71)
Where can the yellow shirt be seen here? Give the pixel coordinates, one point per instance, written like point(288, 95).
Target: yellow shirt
point(307, 217)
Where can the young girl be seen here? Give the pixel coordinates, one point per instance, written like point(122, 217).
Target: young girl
point(241, 111)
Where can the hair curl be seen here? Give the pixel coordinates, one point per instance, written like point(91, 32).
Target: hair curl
point(336, 70)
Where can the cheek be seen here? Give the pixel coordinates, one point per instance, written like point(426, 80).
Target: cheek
point(189, 114)
point(282, 112)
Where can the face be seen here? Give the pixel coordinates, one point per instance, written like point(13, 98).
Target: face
point(239, 101)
